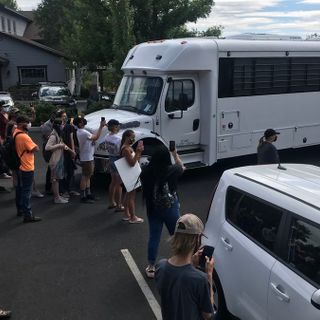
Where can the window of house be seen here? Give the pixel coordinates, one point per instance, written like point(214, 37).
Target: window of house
point(3, 24)
point(180, 94)
point(14, 26)
point(263, 76)
point(9, 25)
point(257, 219)
point(304, 249)
point(32, 75)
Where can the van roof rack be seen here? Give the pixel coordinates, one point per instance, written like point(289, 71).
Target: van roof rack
point(263, 36)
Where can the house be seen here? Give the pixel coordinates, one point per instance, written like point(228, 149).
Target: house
point(24, 61)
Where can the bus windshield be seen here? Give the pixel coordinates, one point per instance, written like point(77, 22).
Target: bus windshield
point(138, 94)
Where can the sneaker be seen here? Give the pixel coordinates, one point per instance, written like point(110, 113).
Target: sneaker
point(65, 195)
point(61, 200)
point(5, 314)
point(27, 219)
point(150, 270)
point(86, 200)
point(74, 193)
point(5, 176)
point(37, 194)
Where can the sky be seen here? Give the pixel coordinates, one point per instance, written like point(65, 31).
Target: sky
point(284, 17)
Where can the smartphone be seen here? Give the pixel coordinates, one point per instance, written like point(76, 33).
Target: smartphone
point(140, 143)
point(207, 252)
point(172, 145)
point(103, 119)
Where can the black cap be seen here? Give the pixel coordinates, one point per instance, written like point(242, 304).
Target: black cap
point(270, 132)
point(22, 119)
point(113, 122)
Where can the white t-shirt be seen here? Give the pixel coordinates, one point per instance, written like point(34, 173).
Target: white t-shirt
point(86, 147)
point(113, 143)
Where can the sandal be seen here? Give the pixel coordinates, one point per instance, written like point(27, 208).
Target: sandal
point(150, 271)
point(112, 206)
point(136, 221)
point(5, 314)
point(125, 219)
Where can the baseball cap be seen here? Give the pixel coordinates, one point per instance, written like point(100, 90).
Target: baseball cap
point(113, 122)
point(270, 132)
point(189, 224)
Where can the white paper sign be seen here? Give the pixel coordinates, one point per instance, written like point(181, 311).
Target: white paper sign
point(129, 175)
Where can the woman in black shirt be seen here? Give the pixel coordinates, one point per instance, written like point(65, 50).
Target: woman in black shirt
point(159, 183)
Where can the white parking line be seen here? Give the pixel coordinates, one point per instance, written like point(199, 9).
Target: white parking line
point(142, 284)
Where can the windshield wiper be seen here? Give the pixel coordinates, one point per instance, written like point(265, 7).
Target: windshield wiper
point(127, 107)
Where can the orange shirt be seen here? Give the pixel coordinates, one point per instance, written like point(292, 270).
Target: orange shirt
point(24, 145)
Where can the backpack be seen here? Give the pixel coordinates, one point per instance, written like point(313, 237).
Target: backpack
point(46, 153)
point(9, 153)
point(162, 197)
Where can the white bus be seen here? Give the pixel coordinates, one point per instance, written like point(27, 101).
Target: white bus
point(216, 97)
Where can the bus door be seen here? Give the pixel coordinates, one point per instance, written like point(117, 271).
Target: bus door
point(180, 111)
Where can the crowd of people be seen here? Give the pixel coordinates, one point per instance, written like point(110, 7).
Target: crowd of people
point(66, 143)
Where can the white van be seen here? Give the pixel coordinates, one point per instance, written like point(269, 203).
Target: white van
point(264, 223)
point(216, 97)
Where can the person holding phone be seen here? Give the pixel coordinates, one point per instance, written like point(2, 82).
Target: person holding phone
point(87, 141)
point(128, 139)
point(159, 185)
point(186, 292)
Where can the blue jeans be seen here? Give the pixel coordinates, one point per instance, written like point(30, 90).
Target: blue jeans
point(24, 192)
point(156, 219)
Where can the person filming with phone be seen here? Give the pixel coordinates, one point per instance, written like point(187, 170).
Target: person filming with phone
point(159, 184)
point(186, 292)
point(132, 157)
point(87, 141)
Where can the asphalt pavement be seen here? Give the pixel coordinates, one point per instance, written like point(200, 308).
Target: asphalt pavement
point(70, 265)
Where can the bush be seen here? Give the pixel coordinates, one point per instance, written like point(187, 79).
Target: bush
point(43, 111)
point(95, 106)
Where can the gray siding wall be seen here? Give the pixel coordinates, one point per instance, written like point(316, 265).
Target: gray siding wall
point(21, 54)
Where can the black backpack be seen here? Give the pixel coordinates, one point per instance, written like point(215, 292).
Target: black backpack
point(9, 153)
point(162, 197)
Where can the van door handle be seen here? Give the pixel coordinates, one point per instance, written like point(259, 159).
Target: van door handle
point(278, 290)
point(226, 244)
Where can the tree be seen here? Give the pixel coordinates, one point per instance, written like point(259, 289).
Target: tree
point(122, 35)
point(155, 19)
point(12, 4)
point(50, 16)
point(183, 32)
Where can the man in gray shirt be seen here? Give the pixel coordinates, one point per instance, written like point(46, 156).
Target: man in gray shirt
point(186, 292)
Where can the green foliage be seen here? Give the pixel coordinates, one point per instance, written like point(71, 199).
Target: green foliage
point(50, 15)
point(99, 105)
point(88, 39)
point(156, 19)
point(12, 4)
point(100, 32)
point(42, 109)
point(122, 37)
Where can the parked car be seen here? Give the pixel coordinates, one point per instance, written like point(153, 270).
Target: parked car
point(101, 96)
point(264, 225)
point(56, 93)
point(5, 96)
